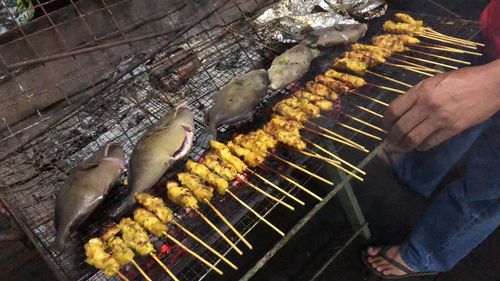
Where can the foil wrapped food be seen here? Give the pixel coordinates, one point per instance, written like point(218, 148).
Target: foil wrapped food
point(290, 21)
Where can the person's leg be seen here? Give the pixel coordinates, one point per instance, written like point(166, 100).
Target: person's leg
point(422, 171)
point(460, 217)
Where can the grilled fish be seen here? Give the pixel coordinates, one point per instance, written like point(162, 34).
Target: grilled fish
point(235, 103)
point(341, 34)
point(163, 143)
point(291, 65)
point(85, 188)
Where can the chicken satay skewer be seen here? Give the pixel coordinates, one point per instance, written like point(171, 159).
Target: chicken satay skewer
point(152, 224)
point(158, 207)
point(451, 42)
point(120, 251)
point(432, 31)
point(336, 157)
point(188, 197)
point(357, 82)
point(228, 172)
point(225, 154)
point(137, 239)
point(100, 259)
point(222, 185)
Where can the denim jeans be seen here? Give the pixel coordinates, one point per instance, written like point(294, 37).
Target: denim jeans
point(467, 210)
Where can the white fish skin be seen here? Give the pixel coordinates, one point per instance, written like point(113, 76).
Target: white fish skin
point(290, 66)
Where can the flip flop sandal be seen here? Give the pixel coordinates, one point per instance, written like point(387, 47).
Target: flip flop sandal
point(383, 254)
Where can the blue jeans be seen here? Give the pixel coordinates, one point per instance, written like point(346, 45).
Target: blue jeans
point(467, 210)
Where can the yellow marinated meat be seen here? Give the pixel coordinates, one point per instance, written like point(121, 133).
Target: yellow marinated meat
point(326, 104)
point(97, 256)
point(110, 232)
point(221, 168)
point(369, 58)
point(332, 86)
point(251, 142)
point(155, 205)
point(290, 112)
point(204, 172)
point(402, 17)
point(120, 251)
point(150, 222)
point(372, 49)
point(309, 108)
point(286, 124)
point(318, 89)
point(290, 139)
point(402, 28)
point(356, 81)
point(265, 138)
point(194, 183)
point(136, 237)
point(225, 154)
point(181, 196)
point(251, 158)
point(347, 64)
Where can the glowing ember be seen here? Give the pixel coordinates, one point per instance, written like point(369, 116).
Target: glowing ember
point(242, 177)
point(165, 249)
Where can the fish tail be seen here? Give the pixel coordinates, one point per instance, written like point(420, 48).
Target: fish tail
point(123, 208)
point(209, 134)
point(61, 236)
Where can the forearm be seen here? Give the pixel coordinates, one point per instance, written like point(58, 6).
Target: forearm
point(493, 70)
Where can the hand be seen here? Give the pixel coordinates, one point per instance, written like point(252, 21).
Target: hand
point(441, 107)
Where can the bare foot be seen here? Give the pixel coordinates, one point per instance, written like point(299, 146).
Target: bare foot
point(383, 266)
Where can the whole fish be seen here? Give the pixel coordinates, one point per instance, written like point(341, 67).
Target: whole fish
point(85, 189)
point(290, 66)
point(235, 103)
point(341, 34)
point(163, 143)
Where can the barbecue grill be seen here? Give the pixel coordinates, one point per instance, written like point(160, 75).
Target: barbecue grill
point(131, 61)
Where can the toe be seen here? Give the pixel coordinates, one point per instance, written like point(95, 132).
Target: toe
point(379, 264)
point(374, 259)
point(373, 251)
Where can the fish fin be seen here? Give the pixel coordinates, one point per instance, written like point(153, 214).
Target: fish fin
point(125, 206)
point(209, 134)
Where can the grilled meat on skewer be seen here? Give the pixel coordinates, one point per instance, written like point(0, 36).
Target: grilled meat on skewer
point(150, 222)
point(99, 258)
point(135, 237)
point(204, 172)
point(155, 205)
point(194, 183)
point(181, 196)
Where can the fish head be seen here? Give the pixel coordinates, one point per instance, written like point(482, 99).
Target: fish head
point(114, 152)
point(184, 116)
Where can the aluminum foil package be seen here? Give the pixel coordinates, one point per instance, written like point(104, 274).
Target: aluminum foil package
point(291, 21)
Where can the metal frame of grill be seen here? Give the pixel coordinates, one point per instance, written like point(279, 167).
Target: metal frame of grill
point(130, 103)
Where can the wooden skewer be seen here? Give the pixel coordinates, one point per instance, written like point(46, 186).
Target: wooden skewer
point(369, 98)
point(201, 259)
point(365, 123)
point(359, 131)
point(336, 157)
point(164, 267)
point(335, 134)
point(123, 277)
point(417, 66)
point(412, 69)
point(386, 88)
point(255, 213)
point(346, 171)
point(277, 187)
point(221, 216)
point(197, 239)
point(298, 185)
point(368, 111)
point(448, 49)
point(313, 154)
point(439, 57)
point(348, 143)
point(430, 30)
point(428, 61)
point(451, 40)
point(134, 263)
point(261, 191)
point(218, 231)
point(447, 41)
point(389, 78)
point(302, 169)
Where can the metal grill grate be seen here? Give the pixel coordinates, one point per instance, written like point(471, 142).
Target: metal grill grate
point(121, 113)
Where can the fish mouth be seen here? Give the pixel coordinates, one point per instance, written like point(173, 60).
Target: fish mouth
point(186, 144)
